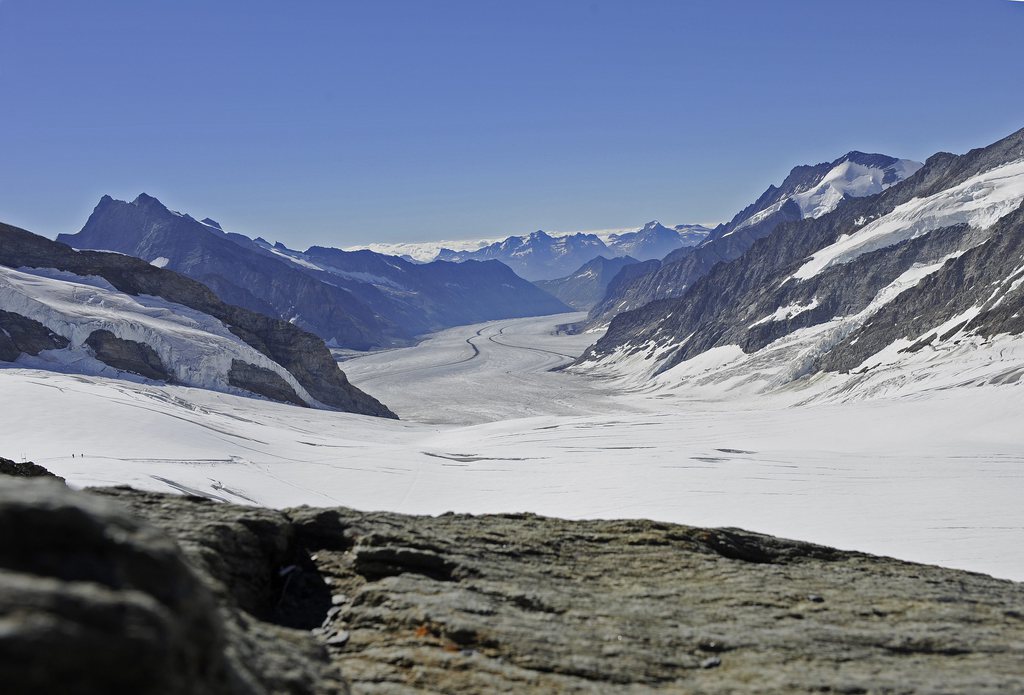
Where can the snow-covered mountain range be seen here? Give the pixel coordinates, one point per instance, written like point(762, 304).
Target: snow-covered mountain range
point(639, 243)
point(542, 256)
point(922, 281)
point(108, 314)
point(808, 192)
point(357, 300)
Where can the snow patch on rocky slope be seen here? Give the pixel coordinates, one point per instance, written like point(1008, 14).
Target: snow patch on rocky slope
point(196, 348)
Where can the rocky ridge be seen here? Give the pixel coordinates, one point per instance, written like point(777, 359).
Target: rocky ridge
point(756, 299)
point(228, 599)
point(809, 191)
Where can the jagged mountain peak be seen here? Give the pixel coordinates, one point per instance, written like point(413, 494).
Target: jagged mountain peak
point(145, 199)
point(654, 225)
point(809, 191)
point(544, 256)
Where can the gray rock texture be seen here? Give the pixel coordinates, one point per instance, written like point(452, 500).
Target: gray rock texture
point(127, 355)
point(22, 335)
point(464, 604)
point(263, 381)
point(94, 600)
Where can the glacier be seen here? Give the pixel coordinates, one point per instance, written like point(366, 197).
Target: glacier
point(921, 460)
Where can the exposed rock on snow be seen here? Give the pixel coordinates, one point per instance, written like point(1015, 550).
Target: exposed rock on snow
point(876, 275)
point(263, 381)
point(25, 469)
point(21, 335)
point(808, 192)
point(128, 355)
point(160, 324)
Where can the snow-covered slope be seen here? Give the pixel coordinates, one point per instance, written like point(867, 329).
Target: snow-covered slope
point(809, 192)
point(196, 349)
point(855, 175)
point(979, 202)
point(92, 312)
point(919, 277)
point(931, 476)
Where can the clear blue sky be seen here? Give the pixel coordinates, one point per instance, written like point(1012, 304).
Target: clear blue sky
point(345, 122)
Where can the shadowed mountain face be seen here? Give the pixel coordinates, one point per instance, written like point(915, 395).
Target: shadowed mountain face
point(655, 241)
point(357, 300)
point(541, 256)
point(122, 312)
point(808, 192)
point(587, 286)
point(927, 264)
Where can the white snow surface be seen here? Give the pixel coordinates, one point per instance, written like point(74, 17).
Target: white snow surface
point(784, 313)
point(979, 202)
point(845, 179)
point(727, 369)
point(427, 251)
point(922, 459)
point(424, 251)
point(197, 348)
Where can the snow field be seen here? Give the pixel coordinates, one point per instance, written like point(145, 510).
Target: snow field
point(930, 474)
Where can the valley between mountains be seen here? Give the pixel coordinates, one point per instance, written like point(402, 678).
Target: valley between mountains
point(841, 363)
point(486, 426)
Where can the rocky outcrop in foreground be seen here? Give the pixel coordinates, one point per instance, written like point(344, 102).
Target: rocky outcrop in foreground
point(25, 469)
point(117, 590)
